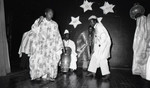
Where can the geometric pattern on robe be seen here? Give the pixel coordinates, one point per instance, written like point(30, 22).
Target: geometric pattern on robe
point(83, 49)
point(44, 48)
point(140, 55)
point(71, 44)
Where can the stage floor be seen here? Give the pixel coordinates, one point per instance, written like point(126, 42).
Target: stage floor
point(119, 79)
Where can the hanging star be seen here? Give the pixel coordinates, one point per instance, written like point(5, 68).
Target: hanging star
point(86, 5)
point(75, 21)
point(107, 8)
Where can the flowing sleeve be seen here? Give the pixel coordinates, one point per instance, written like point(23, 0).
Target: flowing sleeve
point(73, 47)
point(58, 40)
point(35, 27)
point(27, 40)
point(101, 33)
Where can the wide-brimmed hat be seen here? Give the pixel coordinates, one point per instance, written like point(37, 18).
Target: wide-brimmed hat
point(92, 17)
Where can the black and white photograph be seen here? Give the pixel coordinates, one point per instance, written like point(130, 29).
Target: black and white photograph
point(74, 44)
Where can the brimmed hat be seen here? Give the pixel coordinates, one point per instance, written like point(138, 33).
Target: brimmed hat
point(92, 17)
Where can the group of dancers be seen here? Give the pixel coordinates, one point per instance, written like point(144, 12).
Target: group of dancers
point(44, 46)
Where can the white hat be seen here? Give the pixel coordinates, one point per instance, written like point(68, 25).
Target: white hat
point(66, 31)
point(92, 17)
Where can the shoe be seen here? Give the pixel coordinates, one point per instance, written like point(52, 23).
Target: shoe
point(48, 79)
point(71, 70)
point(106, 77)
point(36, 81)
point(90, 74)
point(52, 79)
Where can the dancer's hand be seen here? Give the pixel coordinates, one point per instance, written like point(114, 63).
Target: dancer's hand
point(40, 20)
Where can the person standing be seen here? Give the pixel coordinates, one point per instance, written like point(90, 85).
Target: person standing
point(101, 52)
point(141, 48)
point(69, 43)
point(90, 35)
point(43, 44)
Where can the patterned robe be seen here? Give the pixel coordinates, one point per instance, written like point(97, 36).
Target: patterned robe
point(43, 44)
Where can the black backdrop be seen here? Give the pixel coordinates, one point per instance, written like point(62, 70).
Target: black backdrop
point(20, 15)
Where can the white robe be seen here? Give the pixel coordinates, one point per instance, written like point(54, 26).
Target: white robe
point(71, 44)
point(27, 40)
point(101, 53)
point(141, 48)
point(43, 44)
point(148, 69)
point(148, 49)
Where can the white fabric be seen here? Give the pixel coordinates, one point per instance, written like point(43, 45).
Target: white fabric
point(27, 39)
point(43, 43)
point(101, 53)
point(148, 69)
point(148, 49)
point(141, 48)
point(71, 44)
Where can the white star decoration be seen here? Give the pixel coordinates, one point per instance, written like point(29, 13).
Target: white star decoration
point(107, 8)
point(75, 21)
point(86, 5)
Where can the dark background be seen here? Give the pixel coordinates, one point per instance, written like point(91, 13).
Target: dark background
point(20, 15)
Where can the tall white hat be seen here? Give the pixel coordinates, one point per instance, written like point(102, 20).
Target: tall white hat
point(66, 31)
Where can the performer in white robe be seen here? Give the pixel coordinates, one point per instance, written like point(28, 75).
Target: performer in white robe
point(102, 44)
point(141, 48)
point(43, 44)
point(69, 43)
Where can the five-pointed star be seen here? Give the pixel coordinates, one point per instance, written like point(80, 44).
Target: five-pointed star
point(86, 5)
point(107, 8)
point(75, 21)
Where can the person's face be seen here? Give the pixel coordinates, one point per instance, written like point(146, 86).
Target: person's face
point(91, 29)
point(49, 15)
point(92, 22)
point(67, 36)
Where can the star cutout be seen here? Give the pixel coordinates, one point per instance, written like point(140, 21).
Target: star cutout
point(75, 21)
point(86, 5)
point(107, 8)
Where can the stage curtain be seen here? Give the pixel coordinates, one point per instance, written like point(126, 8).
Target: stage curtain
point(4, 55)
